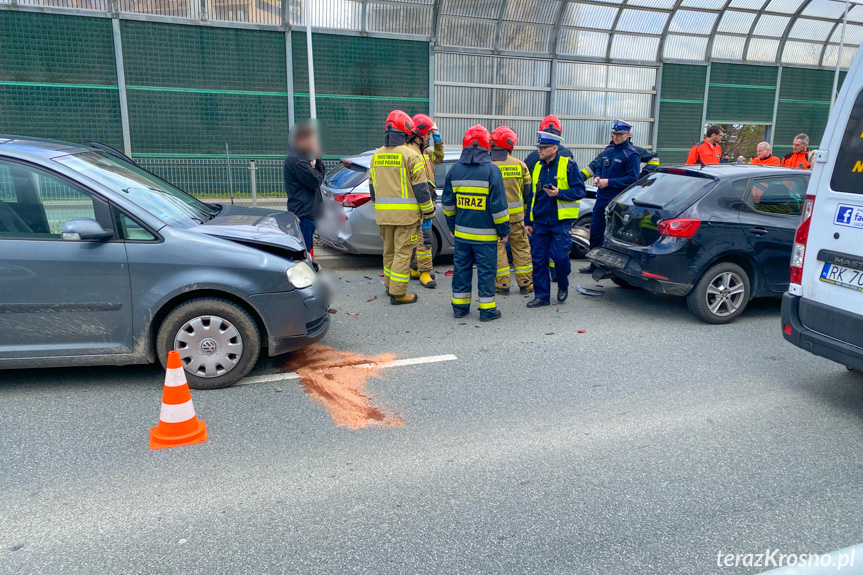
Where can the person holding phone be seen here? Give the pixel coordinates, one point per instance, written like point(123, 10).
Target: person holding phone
point(557, 188)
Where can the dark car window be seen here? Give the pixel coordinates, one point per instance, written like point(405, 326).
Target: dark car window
point(848, 171)
point(667, 191)
point(783, 195)
point(34, 204)
point(440, 172)
point(346, 176)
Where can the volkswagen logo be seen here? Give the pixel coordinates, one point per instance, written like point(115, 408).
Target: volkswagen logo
point(209, 347)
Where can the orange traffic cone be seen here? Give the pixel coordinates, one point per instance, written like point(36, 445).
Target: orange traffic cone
point(178, 424)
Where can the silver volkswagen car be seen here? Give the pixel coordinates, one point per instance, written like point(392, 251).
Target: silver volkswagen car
point(103, 263)
point(349, 215)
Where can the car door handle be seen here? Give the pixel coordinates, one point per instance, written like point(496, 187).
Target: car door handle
point(758, 231)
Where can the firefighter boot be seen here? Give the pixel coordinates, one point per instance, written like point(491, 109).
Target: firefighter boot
point(526, 289)
point(415, 274)
point(402, 299)
point(489, 314)
point(427, 279)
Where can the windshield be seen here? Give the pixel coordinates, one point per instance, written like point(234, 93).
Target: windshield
point(346, 176)
point(171, 205)
point(665, 191)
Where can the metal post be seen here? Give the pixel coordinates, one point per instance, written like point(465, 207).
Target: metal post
point(654, 129)
point(230, 179)
point(839, 56)
point(313, 111)
point(771, 130)
point(253, 182)
point(704, 106)
point(431, 111)
point(289, 62)
point(121, 85)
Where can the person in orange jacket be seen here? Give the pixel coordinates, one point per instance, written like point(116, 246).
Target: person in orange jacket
point(799, 157)
point(764, 156)
point(708, 151)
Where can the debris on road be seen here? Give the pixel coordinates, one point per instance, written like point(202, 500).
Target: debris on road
point(373, 299)
point(334, 378)
point(587, 291)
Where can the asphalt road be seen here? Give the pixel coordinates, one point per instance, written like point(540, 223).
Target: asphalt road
point(647, 444)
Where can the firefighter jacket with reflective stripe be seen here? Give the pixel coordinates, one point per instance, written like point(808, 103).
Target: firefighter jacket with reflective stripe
point(433, 157)
point(768, 161)
point(706, 152)
point(563, 173)
point(649, 163)
point(516, 182)
point(474, 200)
point(399, 187)
point(799, 161)
point(619, 164)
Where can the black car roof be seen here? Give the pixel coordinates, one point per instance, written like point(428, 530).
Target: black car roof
point(733, 170)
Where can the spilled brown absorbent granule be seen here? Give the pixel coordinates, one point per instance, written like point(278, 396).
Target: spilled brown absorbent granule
point(333, 378)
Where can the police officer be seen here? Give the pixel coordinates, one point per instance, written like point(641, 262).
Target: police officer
point(516, 182)
point(618, 168)
point(649, 159)
point(557, 188)
point(400, 193)
point(424, 132)
point(550, 125)
point(474, 202)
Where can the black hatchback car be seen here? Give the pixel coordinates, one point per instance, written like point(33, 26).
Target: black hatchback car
point(720, 235)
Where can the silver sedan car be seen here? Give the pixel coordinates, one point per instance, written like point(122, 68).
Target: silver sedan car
point(349, 224)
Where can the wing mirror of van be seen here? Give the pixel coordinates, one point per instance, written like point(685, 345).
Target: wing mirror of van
point(84, 229)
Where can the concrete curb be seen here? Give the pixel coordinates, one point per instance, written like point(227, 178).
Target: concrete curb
point(334, 259)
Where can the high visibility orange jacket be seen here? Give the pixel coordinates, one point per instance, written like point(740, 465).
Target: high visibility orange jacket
point(708, 153)
point(798, 161)
point(768, 161)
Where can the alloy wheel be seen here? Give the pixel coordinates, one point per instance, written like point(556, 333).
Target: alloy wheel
point(725, 294)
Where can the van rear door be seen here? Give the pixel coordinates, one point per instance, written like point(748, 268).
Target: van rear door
point(833, 265)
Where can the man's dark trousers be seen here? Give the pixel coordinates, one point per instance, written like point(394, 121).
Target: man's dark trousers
point(307, 228)
point(550, 241)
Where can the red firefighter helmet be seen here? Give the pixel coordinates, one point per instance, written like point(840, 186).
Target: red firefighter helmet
point(422, 125)
point(398, 120)
point(476, 136)
point(504, 137)
point(550, 122)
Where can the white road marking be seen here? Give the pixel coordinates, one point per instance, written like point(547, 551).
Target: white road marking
point(396, 363)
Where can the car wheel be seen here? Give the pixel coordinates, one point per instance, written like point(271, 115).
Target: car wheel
point(620, 282)
point(218, 341)
point(581, 228)
point(721, 294)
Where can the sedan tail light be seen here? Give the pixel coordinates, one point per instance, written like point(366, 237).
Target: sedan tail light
point(679, 227)
point(798, 252)
point(350, 200)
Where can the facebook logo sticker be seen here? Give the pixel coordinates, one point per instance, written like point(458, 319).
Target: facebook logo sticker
point(851, 216)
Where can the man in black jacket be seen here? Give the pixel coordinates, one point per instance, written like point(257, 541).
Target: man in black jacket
point(304, 172)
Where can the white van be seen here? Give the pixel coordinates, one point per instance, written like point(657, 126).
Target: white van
point(822, 312)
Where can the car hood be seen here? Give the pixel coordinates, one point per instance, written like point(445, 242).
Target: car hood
point(255, 226)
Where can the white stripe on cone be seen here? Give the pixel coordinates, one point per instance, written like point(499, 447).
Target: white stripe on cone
point(177, 413)
point(175, 377)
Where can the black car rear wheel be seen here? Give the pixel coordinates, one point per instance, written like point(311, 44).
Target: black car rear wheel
point(721, 294)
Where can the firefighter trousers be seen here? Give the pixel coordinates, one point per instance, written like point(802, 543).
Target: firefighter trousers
point(484, 255)
point(520, 248)
point(422, 259)
point(399, 244)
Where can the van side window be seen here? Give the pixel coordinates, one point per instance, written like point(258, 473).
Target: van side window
point(131, 230)
point(784, 195)
point(848, 171)
point(34, 204)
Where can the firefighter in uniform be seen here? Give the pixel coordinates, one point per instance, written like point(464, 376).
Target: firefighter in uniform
point(516, 182)
point(557, 188)
point(799, 155)
point(618, 169)
point(474, 202)
point(649, 160)
point(400, 193)
point(425, 131)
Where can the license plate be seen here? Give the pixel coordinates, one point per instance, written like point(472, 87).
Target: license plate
point(842, 276)
point(608, 258)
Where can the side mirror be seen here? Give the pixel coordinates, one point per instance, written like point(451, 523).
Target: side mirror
point(84, 229)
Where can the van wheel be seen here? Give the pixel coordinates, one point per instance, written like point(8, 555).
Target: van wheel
point(218, 341)
point(620, 282)
point(721, 294)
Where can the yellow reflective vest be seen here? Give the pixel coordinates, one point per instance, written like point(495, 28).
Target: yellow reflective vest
point(566, 210)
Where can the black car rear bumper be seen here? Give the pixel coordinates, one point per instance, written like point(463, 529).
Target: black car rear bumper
point(844, 326)
point(633, 273)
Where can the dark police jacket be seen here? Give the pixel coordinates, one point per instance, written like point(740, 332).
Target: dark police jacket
point(474, 199)
point(620, 164)
point(650, 161)
point(544, 208)
point(303, 184)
